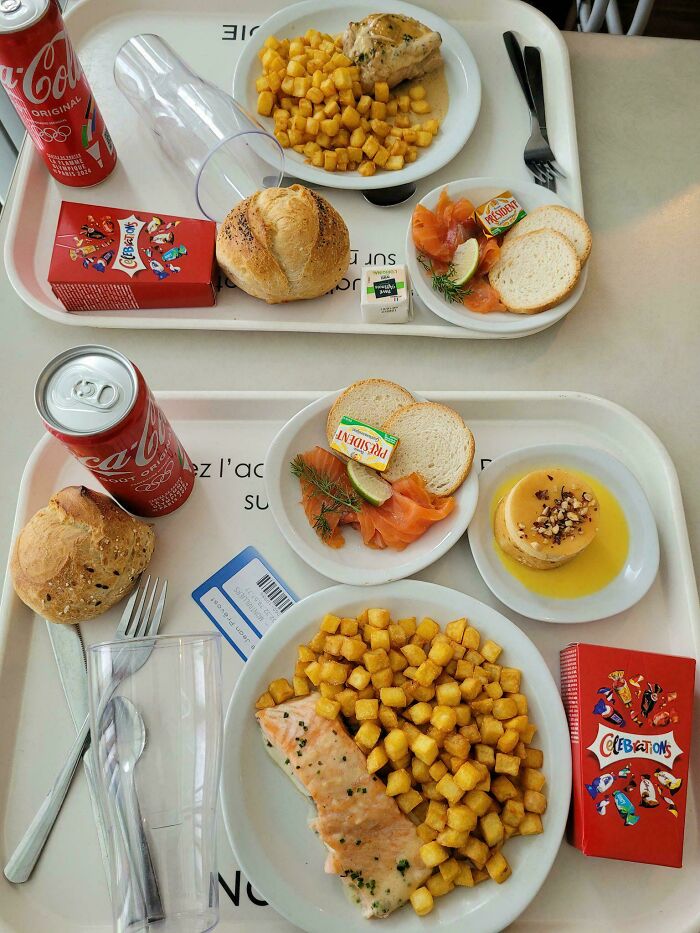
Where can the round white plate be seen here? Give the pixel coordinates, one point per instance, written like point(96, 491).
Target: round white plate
point(354, 563)
point(463, 85)
point(497, 323)
point(642, 561)
point(266, 817)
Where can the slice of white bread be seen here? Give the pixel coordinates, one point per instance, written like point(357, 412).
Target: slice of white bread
point(535, 271)
point(559, 218)
point(433, 441)
point(372, 401)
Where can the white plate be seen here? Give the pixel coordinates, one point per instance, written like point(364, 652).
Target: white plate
point(496, 323)
point(266, 817)
point(642, 562)
point(332, 16)
point(354, 563)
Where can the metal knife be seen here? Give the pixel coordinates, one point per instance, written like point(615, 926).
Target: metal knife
point(69, 651)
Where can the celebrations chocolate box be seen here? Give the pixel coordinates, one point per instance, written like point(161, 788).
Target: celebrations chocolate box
point(108, 259)
point(630, 717)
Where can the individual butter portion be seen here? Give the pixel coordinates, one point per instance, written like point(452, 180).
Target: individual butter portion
point(361, 442)
point(498, 215)
point(386, 295)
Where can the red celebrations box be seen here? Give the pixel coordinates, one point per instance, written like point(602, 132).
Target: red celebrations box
point(630, 721)
point(109, 259)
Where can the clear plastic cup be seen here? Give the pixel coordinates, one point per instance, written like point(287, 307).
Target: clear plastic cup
point(156, 740)
point(203, 131)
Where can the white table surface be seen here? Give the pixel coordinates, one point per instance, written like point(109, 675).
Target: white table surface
point(634, 337)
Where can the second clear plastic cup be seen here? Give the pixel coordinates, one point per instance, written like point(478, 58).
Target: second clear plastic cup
point(156, 724)
point(202, 130)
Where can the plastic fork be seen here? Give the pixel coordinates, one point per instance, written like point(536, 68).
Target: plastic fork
point(139, 620)
point(538, 154)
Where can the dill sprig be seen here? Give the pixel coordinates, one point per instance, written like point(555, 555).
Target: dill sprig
point(443, 282)
point(341, 502)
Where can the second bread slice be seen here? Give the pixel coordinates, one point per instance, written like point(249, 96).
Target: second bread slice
point(535, 271)
point(435, 442)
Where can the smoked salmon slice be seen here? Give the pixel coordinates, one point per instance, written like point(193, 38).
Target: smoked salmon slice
point(324, 511)
point(372, 845)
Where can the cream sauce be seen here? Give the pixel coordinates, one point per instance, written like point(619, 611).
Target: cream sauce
point(436, 93)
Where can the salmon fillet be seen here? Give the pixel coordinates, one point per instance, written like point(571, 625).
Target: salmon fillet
point(371, 844)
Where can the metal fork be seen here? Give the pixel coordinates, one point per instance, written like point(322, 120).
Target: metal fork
point(139, 620)
point(538, 155)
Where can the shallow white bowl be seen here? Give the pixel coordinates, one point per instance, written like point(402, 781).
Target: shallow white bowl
point(642, 561)
point(480, 190)
point(332, 16)
point(354, 563)
point(266, 817)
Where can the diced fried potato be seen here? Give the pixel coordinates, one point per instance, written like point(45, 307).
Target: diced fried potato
point(478, 801)
point(426, 833)
point(532, 779)
point(425, 748)
point(448, 694)
point(498, 868)
point(452, 838)
point(379, 618)
point(530, 825)
point(508, 741)
point(438, 770)
point(457, 746)
point(464, 878)
point(507, 764)
point(533, 758)
point(366, 709)
point(393, 696)
point(379, 637)
point(433, 854)
point(376, 660)
point(477, 851)
point(376, 759)
point(281, 690)
point(396, 744)
point(449, 869)
point(300, 686)
point(330, 690)
point(505, 708)
point(491, 829)
point(388, 718)
point(327, 708)
point(398, 782)
point(409, 800)
point(491, 651)
point(422, 901)
point(491, 730)
point(534, 801)
point(451, 791)
point(444, 718)
point(264, 701)
point(513, 813)
point(367, 735)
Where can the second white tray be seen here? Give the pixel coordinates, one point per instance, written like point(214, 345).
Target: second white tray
point(210, 36)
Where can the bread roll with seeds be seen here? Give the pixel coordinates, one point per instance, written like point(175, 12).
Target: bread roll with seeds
point(435, 442)
point(79, 556)
point(284, 244)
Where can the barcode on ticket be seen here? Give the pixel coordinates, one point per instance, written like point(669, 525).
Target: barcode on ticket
point(244, 599)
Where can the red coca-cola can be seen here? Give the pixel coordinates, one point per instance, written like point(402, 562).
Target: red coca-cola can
point(97, 403)
point(43, 78)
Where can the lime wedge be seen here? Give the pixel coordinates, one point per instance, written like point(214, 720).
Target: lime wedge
point(465, 261)
point(368, 483)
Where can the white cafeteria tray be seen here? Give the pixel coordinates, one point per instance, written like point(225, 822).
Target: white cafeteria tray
point(231, 431)
point(210, 36)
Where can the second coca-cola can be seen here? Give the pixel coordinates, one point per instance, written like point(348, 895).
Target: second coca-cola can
point(45, 82)
point(97, 403)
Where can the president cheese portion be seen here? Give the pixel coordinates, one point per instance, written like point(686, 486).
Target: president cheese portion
point(371, 845)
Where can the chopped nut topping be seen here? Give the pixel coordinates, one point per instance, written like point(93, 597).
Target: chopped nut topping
point(563, 518)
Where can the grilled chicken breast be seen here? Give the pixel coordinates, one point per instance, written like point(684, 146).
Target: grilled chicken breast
point(392, 48)
point(371, 845)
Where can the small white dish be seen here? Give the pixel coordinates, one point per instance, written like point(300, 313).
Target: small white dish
point(354, 563)
point(266, 818)
point(461, 72)
point(640, 566)
point(496, 323)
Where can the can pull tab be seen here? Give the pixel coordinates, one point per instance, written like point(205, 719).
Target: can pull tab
point(101, 395)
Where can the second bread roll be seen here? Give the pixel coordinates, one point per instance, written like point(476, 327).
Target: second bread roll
point(283, 244)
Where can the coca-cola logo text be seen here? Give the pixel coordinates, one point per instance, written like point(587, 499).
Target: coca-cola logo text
point(155, 431)
point(53, 70)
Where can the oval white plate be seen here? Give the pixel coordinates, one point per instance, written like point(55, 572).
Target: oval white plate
point(463, 85)
point(354, 563)
point(498, 323)
point(642, 561)
point(266, 817)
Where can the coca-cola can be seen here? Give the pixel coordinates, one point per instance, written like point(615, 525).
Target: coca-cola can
point(43, 78)
point(97, 403)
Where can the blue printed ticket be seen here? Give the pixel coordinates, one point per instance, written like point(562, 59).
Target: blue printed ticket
point(244, 599)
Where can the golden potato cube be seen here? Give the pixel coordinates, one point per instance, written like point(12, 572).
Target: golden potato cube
point(508, 741)
point(532, 779)
point(393, 696)
point(520, 701)
point(327, 708)
point(438, 886)
point(491, 651)
point(349, 627)
point(437, 770)
point(264, 701)
point(352, 649)
point(287, 85)
point(300, 686)
point(528, 733)
point(420, 771)
point(507, 764)
point(493, 690)
point(477, 851)
point(304, 653)
point(417, 92)
point(301, 86)
point(491, 730)
point(296, 47)
point(281, 690)
point(426, 833)
point(414, 654)
point(404, 102)
point(392, 107)
point(409, 800)
point(423, 139)
point(359, 678)
point(347, 699)
point(342, 79)
point(376, 660)
point(367, 735)
point(498, 868)
point(461, 818)
point(482, 705)
point(503, 789)
point(376, 759)
point(452, 838)
point(410, 731)
point(379, 618)
point(427, 629)
point(380, 638)
point(425, 748)
point(296, 69)
point(333, 672)
point(354, 153)
point(449, 869)
point(505, 708)
point(381, 91)
point(513, 812)
point(271, 43)
point(484, 754)
point(366, 709)
point(436, 815)
point(350, 117)
point(432, 854)
point(383, 678)
point(262, 84)
point(347, 99)
point(471, 638)
point(457, 746)
point(266, 101)
point(423, 693)
point(334, 643)
point(534, 801)
point(427, 672)
point(398, 782)
point(420, 713)
point(388, 718)
point(441, 653)
point(510, 679)
point(315, 94)
point(330, 623)
point(467, 777)
point(464, 714)
point(422, 106)
point(464, 669)
point(327, 88)
point(478, 801)
point(491, 829)
point(381, 156)
point(431, 126)
point(330, 690)
point(451, 791)
point(313, 672)
point(455, 629)
point(533, 758)
point(396, 744)
point(371, 146)
point(464, 878)
point(422, 901)
point(530, 825)
point(470, 688)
